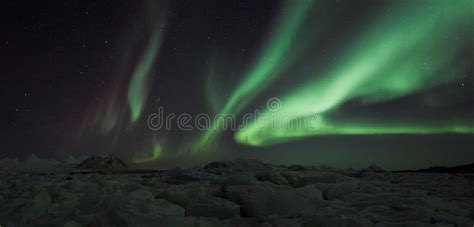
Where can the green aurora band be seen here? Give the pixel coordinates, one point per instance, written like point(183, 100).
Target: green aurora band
point(124, 100)
point(266, 68)
point(110, 114)
point(398, 56)
point(139, 89)
point(155, 154)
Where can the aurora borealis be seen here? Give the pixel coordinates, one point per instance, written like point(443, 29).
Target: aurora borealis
point(138, 90)
point(267, 66)
point(394, 59)
point(83, 77)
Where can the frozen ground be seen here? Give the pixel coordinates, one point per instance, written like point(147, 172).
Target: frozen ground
point(242, 192)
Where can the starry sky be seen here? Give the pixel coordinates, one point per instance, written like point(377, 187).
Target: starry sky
point(386, 82)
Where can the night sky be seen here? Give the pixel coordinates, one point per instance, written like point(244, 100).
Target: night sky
point(387, 82)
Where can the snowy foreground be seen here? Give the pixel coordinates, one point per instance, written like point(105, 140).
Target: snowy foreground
point(235, 193)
